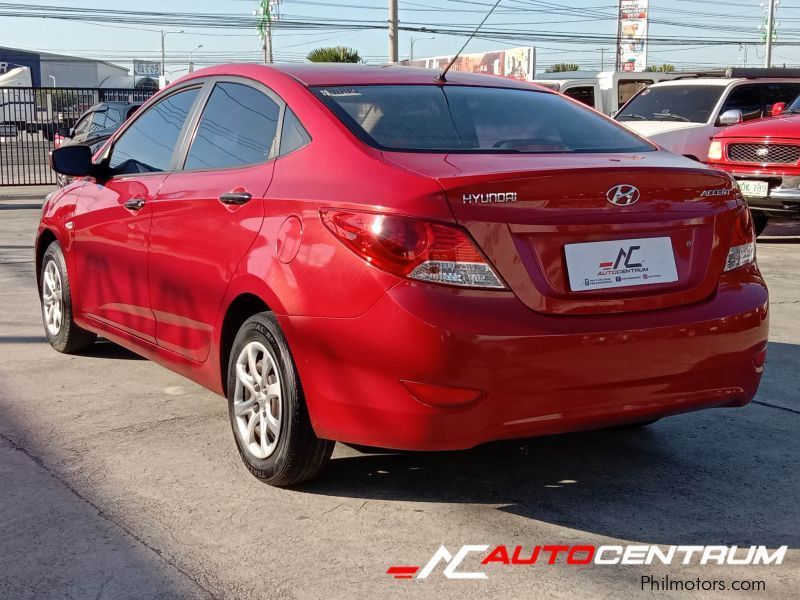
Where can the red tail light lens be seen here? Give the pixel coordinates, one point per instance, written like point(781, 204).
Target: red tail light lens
point(413, 248)
point(743, 242)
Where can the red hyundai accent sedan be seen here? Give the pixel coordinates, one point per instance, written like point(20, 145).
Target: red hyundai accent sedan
point(365, 254)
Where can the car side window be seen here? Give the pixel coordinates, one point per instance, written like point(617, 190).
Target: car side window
point(237, 128)
point(147, 145)
point(746, 98)
point(293, 135)
point(779, 92)
point(581, 93)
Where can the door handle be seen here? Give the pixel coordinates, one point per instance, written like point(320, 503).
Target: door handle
point(236, 198)
point(134, 204)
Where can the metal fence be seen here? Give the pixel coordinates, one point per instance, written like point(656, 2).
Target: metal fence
point(29, 119)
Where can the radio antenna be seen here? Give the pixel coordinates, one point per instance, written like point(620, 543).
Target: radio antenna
point(441, 77)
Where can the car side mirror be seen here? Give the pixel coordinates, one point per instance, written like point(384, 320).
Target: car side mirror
point(778, 108)
point(730, 117)
point(74, 161)
point(65, 132)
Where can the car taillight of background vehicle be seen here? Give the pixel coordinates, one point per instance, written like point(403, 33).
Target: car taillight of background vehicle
point(743, 242)
point(413, 248)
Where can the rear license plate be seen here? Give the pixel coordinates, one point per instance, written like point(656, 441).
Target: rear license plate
point(620, 263)
point(754, 189)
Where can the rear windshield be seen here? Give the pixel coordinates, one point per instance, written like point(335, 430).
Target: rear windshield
point(681, 103)
point(436, 118)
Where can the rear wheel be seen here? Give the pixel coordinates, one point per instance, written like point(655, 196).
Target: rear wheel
point(760, 221)
point(62, 332)
point(267, 407)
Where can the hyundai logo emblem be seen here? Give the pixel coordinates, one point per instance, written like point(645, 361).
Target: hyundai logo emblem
point(623, 195)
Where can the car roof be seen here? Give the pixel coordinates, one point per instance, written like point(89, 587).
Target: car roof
point(323, 74)
point(723, 81)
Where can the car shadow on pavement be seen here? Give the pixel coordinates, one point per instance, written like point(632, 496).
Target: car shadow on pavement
point(106, 349)
point(720, 476)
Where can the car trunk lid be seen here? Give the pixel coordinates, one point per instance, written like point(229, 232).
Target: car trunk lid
point(534, 216)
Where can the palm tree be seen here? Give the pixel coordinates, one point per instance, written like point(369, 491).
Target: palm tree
point(339, 54)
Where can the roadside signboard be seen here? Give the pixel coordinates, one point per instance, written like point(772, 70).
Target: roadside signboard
point(146, 68)
point(516, 63)
point(632, 35)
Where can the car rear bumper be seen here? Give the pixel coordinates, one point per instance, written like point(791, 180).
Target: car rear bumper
point(532, 374)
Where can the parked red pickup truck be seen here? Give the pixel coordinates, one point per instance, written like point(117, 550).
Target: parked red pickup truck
point(764, 157)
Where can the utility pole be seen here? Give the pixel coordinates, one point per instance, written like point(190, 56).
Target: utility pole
point(770, 30)
point(265, 25)
point(393, 40)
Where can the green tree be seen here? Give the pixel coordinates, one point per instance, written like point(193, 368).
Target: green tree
point(339, 54)
point(665, 68)
point(562, 68)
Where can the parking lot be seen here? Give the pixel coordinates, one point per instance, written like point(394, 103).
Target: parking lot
point(120, 479)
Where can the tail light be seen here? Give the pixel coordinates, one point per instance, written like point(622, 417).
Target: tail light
point(413, 248)
point(743, 242)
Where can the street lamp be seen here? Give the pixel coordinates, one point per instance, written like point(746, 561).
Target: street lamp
point(163, 35)
point(191, 64)
point(413, 41)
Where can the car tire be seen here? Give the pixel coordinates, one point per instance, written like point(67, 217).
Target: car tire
point(267, 408)
point(56, 299)
point(760, 221)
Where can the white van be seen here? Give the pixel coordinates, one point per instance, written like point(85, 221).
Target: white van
point(684, 114)
point(605, 91)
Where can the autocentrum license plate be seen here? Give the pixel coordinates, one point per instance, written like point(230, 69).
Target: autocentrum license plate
point(754, 189)
point(620, 263)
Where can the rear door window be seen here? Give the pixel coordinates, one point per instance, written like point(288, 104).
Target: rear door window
point(238, 128)
point(293, 136)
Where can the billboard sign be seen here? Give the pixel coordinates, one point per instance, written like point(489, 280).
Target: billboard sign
point(516, 63)
point(632, 35)
point(145, 68)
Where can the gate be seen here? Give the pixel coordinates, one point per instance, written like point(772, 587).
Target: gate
point(29, 119)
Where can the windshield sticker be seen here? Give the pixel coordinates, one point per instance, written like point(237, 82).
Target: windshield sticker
point(339, 92)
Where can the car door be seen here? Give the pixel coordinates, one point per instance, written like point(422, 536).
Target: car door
point(206, 216)
point(112, 218)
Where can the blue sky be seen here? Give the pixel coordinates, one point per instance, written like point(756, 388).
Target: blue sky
point(703, 20)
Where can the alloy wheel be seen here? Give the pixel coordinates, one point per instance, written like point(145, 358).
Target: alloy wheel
point(257, 400)
point(52, 298)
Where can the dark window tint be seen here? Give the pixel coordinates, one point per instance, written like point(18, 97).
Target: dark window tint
point(779, 92)
point(475, 119)
point(688, 103)
point(746, 98)
point(294, 135)
point(238, 127)
point(147, 145)
point(583, 93)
